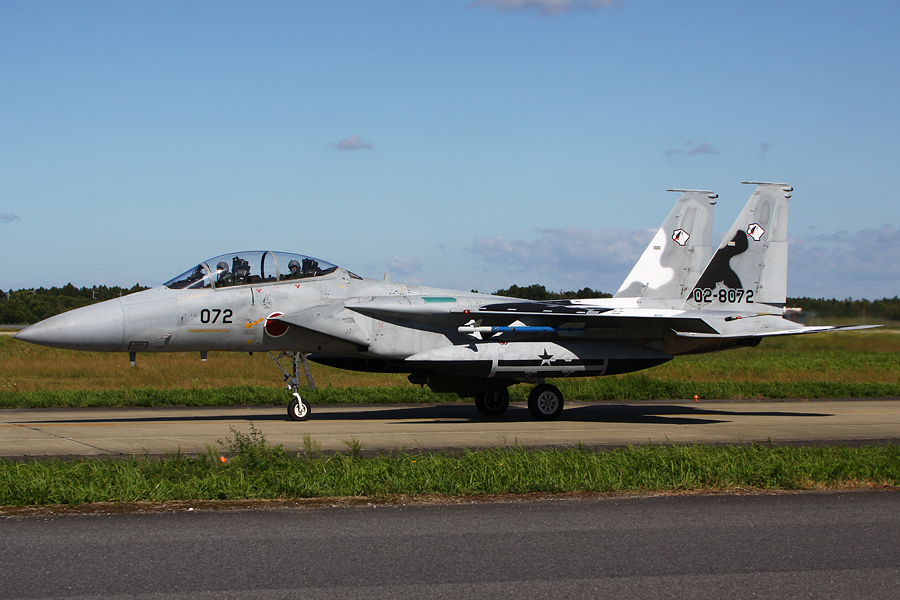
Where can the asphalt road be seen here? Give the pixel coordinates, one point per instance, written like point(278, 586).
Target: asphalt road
point(88, 432)
point(821, 545)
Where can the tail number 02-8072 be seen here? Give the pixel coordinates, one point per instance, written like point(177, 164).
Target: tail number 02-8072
point(730, 295)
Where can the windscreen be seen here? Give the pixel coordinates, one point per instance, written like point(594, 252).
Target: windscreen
point(253, 267)
point(192, 279)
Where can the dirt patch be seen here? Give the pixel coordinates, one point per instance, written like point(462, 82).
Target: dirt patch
point(122, 508)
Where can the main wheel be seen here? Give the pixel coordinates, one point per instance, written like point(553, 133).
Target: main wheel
point(298, 409)
point(493, 403)
point(545, 402)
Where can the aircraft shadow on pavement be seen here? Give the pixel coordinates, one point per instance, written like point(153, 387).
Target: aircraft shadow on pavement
point(627, 413)
point(589, 413)
point(254, 417)
point(447, 413)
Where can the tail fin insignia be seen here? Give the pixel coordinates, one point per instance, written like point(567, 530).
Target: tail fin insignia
point(755, 231)
point(680, 237)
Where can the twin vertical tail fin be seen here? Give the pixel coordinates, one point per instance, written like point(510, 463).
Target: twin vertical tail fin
point(677, 254)
point(749, 268)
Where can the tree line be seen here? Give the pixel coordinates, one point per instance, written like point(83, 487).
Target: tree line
point(22, 307)
point(539, 292)
point(886, 308)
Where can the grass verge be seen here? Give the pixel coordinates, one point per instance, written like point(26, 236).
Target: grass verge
point(626, 388)
point(257, 470)
point(844, 364)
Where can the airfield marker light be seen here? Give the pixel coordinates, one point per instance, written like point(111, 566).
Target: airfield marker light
point(223, 460)
point(696, 398)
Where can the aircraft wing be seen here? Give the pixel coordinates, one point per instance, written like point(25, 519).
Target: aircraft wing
point(472, 316)
point(509, 319)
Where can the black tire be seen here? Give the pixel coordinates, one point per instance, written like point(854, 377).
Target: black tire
point(545, 402)
point(492, 403)
point(298, 409)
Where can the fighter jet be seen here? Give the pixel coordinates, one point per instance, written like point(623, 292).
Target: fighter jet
point(299, 308)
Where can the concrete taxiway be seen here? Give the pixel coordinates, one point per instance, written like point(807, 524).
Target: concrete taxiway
point(122, 431)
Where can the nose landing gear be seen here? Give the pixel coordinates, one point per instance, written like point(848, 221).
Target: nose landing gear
point(298, 409)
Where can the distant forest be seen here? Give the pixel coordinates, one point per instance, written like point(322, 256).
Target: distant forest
point(24, 307)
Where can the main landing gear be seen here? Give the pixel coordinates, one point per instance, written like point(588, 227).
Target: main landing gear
point(545, 402)
point(492, 403)
point(298, 409)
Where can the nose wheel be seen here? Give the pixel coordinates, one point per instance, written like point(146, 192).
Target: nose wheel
point(298, 408)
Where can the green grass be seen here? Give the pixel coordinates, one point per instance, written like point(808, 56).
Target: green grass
point(847, 364)
point(257, 470)
point(852, 364)
point(227, 396)
point(630, 387)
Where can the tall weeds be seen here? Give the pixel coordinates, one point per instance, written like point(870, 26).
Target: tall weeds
point(257, 470)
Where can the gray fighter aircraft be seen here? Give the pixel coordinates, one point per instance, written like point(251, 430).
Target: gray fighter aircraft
point(675, 301)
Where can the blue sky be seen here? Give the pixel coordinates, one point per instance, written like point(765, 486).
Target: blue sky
point(456, 144)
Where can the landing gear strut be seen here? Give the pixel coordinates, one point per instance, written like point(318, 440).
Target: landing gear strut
point(298, 409)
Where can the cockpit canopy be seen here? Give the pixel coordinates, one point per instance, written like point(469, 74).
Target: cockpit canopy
point(254, 267)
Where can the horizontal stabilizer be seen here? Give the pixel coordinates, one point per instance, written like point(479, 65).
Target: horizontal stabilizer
point(798, 330)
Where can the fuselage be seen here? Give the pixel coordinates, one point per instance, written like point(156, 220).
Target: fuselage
point(278, 302)
point(242, 319)
point(336, 317)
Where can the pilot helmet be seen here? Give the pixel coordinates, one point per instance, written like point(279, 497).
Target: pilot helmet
point(222, 267)
point(294, 266)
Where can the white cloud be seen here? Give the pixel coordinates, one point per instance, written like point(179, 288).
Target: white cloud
point(865, 264)
point(569, 257)
point(703, 148)
point(354, 142)
point(547, 7)
point(404, 266)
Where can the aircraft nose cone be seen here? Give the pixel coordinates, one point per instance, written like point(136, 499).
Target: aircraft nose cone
point(96, 327)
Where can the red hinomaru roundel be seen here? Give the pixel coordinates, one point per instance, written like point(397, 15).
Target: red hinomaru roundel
point(275, 328)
